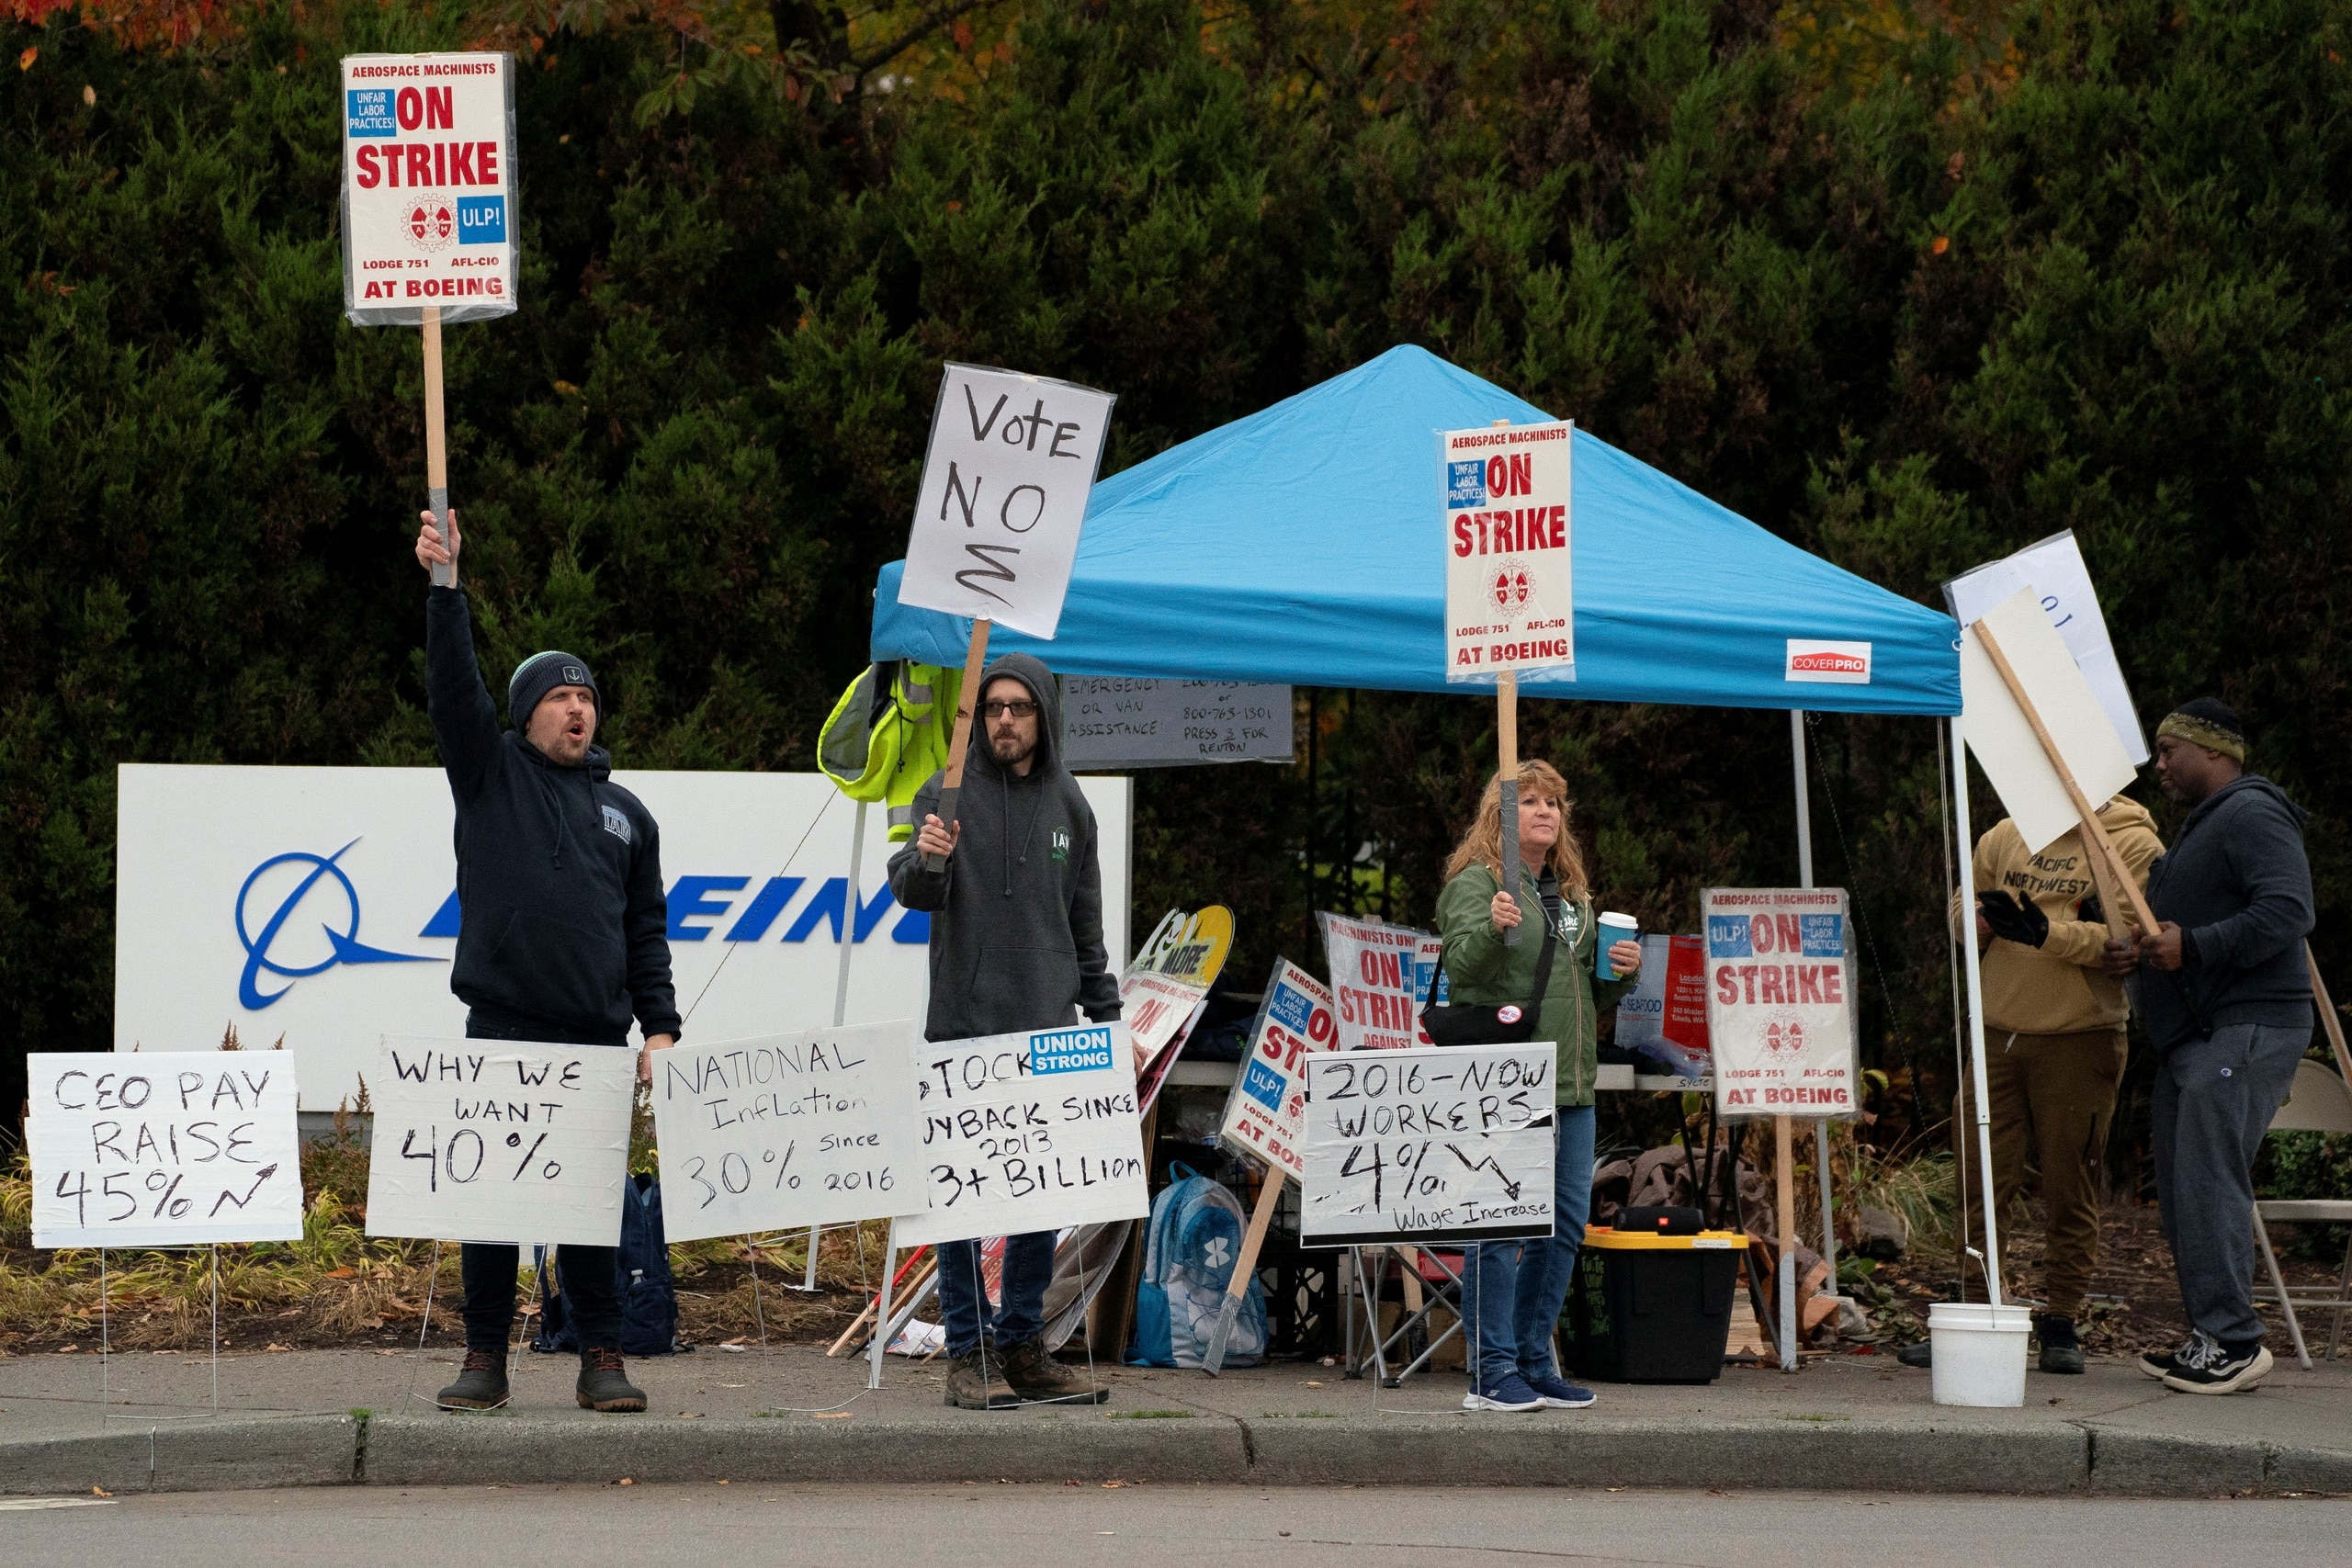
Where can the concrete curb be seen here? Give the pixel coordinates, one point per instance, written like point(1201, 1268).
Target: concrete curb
point(2043, 1458)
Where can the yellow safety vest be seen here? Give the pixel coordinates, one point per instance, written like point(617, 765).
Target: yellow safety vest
point(889, 734)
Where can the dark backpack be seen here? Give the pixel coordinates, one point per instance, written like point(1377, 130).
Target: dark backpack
point(649, 1295)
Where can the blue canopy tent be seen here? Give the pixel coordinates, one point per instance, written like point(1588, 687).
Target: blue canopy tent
point(1301, 545)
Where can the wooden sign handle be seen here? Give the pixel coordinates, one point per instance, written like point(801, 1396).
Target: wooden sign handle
point(1245, 1269)
point(436, 447)
point(968, 705)
point(1506, 742)
point(2330, 1020)
point(2095, 837)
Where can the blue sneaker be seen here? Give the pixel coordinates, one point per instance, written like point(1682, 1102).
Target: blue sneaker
point(1511, 1393)
point(1558, 1394)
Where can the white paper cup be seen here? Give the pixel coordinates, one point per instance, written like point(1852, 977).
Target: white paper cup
point(1614, 928)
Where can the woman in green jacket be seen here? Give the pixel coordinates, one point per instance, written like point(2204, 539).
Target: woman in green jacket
point(1513, 1289)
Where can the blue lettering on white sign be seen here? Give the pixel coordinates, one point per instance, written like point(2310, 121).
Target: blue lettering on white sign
point(1265, 1085)
point(369, 111)
point(1466, 483)
point(1825, 936)
point(1070, 1051)
point(1727, 937)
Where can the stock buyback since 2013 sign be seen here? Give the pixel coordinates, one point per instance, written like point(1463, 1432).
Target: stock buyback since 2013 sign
point(1027, 1131)
point(1780, 1016)
point(428, 186)
point(1509, 592)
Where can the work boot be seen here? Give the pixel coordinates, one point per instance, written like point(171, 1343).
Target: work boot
point(1037, 1377)
point(2061, 1350)
point(975, 1383)
point(480, 1385)
point(602, 1386)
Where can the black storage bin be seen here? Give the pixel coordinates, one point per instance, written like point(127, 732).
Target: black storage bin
point(1651, 1308)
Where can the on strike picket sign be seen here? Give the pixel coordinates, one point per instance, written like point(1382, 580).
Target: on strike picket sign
point(1780, 1016)
point(1431, 1147)
point(428, 186)
point(1267, 1112)
point(499, 1140)
point(1510, 594)
point(1028, 1131)
point(1380, 980)
point(167, 1149)
point(1004, 487)
point(787, 1130)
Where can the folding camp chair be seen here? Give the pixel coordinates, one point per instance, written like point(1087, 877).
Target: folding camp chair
point(2318, 1102)
point(1441, 1279)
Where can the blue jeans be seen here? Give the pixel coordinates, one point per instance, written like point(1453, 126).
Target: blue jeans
point(1512, 1290)
point(963, 1303)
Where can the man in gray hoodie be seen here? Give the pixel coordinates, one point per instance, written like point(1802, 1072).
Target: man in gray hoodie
point(1016, 944)
point(2221, 985)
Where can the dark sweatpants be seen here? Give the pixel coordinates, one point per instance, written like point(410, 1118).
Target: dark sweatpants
point(2214, 1101)
point(590, 1275)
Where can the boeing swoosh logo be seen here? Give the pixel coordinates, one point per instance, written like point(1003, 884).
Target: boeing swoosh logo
point(345, 945)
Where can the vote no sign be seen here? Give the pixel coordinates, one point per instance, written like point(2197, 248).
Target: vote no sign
point(428, 186)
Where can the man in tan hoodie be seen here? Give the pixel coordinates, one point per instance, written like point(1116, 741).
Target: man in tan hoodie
point(2053, 1046)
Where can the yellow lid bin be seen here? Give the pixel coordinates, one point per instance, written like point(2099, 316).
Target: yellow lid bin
point(1651, 1308)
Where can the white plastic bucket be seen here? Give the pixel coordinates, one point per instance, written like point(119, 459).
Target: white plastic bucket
point(1979, 1353)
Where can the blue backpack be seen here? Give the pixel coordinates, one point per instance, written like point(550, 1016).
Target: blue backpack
point(1194, 1241)
point(649, 1295)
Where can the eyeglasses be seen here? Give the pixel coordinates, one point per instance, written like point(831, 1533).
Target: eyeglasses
point(1017, 709)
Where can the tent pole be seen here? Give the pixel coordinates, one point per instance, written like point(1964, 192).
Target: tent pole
point(1804, 879)
point(1975, 974)
point(850, 907)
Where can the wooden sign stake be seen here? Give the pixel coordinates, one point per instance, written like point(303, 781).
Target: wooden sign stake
point(1245, 1269)
point(2332, 1020)
point(437, 445)
point(967, 705)
point(1506, 742)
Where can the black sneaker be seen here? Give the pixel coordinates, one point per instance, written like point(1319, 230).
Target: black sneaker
point(480, 1385)
point(602, 1386)
point(2163, 1364)
point(2221, 1370)
point(1923, 1354)
point(2061, 1349)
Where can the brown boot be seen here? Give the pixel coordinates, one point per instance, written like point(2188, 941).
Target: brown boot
point(1037, 1378)
point(974, 1386)
point(603, 1387)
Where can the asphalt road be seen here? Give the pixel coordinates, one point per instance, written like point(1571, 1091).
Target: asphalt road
point(1038, 1527)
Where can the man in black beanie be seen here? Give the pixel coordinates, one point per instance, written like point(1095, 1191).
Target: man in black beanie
point(2222, 987)
point(563, 934)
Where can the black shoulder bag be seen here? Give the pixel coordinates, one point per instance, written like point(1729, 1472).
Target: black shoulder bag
point(1505, 1024)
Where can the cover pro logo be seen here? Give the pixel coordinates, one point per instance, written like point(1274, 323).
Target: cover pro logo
point(1828, 664)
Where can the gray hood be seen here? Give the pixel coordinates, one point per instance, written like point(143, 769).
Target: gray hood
point(1030, 672)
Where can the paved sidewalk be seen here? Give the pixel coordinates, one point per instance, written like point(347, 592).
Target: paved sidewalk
point(339, 1417)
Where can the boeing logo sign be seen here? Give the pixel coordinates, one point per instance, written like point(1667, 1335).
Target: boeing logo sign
point(342, 946)
point(319, 905)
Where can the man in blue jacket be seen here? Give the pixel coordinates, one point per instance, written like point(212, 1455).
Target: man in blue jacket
point(1016, 944)
point(2222, 987)
point(563, 935)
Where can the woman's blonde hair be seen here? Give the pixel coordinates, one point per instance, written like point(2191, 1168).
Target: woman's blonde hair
point(1483, 842)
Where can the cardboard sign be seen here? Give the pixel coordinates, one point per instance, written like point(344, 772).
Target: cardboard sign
point(1266, 1114)
point(1665, 1015)
point(787, 1130)
point(1435, 1147)
point(1380, 980)
point(1004, 487)
point(1028, 1131)
point(1111, 723)
point(1781, 1012)
point(165, 1148)
point(2054, 571)
point(2004, 742)
point(428, 188)
point(1162, 990)
point(1509, 593)
point(499, 1140)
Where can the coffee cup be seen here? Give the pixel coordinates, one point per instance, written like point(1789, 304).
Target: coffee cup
point(1614, 928)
